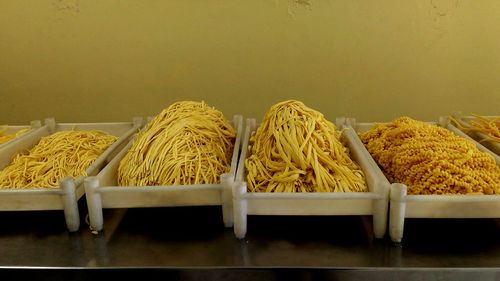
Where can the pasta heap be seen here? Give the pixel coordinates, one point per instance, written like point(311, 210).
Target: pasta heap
point(488, 126)
point(430, 159)
point(65, 153)
point(7, 137)
point(187, 143)
point(297, 150)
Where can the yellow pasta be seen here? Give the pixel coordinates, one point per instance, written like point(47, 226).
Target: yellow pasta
point(490, 127)
point(430, 159)
point(7, 137)
point(187, 143)
point(296, 149)
point(65, 153)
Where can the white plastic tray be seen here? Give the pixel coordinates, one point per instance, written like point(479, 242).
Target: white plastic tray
point(13, 129)
point(478, 136)
point(66, 197)
point(102, 191)
point(404, 206)
point(374, 202)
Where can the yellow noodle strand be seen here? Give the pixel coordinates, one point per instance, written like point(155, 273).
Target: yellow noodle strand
point(187, 143)
point(490, 127)
point(7, 137)
point(65, 153)
point(430, 159)
point(296, 149)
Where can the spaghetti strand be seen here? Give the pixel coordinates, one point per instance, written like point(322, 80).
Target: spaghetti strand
point(187, 143)
point(296, 149)
point(65, 153)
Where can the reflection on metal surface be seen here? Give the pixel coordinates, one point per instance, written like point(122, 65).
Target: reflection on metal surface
point(100, 240)
point(194, 237)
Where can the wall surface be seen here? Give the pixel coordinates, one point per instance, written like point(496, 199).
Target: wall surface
point(110, 60)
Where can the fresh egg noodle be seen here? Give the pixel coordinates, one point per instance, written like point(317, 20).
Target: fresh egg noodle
point(430, 159)
point(490, 127)
point(7, 137)
point(296, 149)
point(62, 154)
point(187, 143)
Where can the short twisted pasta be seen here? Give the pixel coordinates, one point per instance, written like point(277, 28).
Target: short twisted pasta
point(430, 159)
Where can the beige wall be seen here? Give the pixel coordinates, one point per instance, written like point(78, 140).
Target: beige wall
point(103, 60)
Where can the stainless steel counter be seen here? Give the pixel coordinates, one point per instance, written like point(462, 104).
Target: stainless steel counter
point(191, 243)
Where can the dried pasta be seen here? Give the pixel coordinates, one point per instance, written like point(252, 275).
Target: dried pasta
point(296, 149)
point(430, 159)
point(7, 137)
point(187, 143)
point(65, 153)
point(490, 127)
